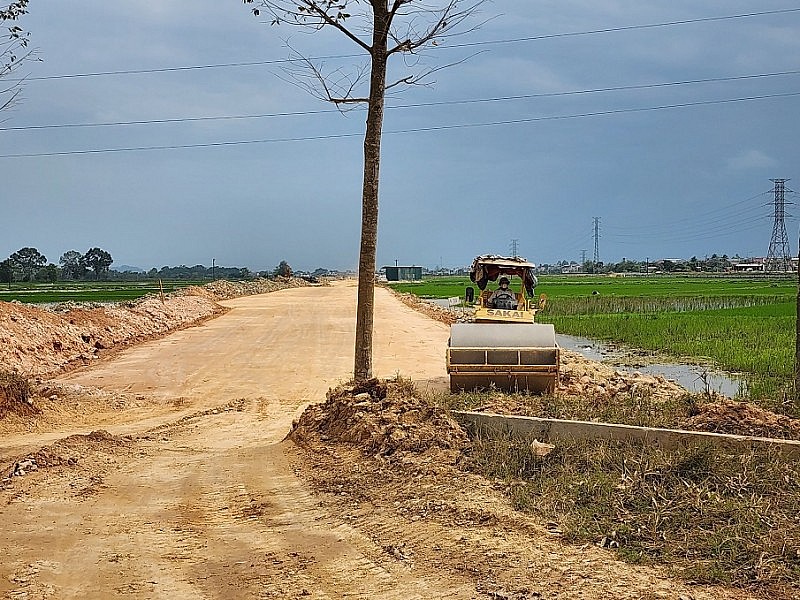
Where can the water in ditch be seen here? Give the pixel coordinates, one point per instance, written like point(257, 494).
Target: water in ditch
point(694, 378)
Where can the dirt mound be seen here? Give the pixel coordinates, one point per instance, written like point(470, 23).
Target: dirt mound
point(381, 418)
point(68, 451)
point(583, 377)
point(34, 341)
point(225, 290)
point(743, 418)
point(436, 313)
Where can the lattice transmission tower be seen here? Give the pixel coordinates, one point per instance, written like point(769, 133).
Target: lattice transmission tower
point(596, 221)
point(778, 255)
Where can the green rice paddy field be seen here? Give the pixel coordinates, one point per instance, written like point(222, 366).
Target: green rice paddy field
point(87, 291)
point(739, 324)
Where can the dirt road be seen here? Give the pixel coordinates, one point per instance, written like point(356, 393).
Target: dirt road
point(208, 507)
point(193, 494)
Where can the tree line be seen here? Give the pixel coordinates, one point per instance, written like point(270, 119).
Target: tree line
point(710, 264)
point(28, 264)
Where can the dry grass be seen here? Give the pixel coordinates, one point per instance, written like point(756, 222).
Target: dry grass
point(637, 407)
point(709, 516)
point(15, 394)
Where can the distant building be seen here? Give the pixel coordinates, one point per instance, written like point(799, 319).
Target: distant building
point(760, 265)
point(397, 273)
point(751, 266)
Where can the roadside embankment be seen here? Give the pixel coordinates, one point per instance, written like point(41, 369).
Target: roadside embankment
point(36, 341)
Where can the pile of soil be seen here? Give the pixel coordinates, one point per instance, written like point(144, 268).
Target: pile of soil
point(225, 290)
point(381, 418)
point(69, 450)
point(434, 312)
point(743, 418)
point(583, 377)
point(38, 342)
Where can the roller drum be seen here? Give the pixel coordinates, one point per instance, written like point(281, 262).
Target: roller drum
point(499, 335)
point(507, 356)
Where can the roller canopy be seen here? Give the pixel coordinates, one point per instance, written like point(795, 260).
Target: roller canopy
point(490, 267)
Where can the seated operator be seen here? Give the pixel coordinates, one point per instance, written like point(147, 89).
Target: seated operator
point(503, 297)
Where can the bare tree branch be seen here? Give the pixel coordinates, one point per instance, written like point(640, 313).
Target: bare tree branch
point(310, 13)
point(422, 24)
point(447, 23)
point(335, 86)
point(13, 51)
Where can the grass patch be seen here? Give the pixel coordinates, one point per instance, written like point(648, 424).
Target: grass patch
point(754, 345)
point(638, 408)
point(709, 516)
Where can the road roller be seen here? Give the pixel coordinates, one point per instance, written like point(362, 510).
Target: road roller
point(502, 347)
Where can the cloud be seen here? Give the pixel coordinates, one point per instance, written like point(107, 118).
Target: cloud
point(751, 159)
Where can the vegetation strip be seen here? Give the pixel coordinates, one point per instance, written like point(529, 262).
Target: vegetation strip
point(705, 514)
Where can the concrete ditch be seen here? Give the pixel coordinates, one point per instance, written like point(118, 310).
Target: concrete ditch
point(552, 430)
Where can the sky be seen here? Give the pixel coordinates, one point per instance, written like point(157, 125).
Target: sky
point(171, 133)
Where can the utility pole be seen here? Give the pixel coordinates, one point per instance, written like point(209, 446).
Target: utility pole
point(213, 269)
point(778, 256)
point(514, 248)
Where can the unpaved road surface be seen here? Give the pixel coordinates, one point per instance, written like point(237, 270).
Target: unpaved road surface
point(190, 490)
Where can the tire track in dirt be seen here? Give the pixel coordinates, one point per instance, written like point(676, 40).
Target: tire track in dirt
point(206, 504)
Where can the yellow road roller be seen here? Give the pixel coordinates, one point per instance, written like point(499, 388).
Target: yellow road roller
point(503, 347)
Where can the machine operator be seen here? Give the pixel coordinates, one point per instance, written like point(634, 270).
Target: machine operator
point(503, 296)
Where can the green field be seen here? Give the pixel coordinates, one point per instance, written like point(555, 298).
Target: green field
point(87, 291)
point(739, 324)
point(654, 286)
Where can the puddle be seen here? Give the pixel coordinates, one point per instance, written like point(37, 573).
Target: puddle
point(692, 377)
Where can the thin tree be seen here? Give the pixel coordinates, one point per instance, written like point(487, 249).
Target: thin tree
point(381, 29)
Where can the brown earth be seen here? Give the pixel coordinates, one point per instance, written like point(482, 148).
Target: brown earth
point(162, 470)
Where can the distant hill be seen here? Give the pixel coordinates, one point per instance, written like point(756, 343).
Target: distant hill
point(123, 268)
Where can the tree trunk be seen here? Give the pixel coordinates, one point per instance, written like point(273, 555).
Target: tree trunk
point(369, 200)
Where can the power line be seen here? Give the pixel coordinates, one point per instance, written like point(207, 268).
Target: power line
point(727, 211)
point(414, 130)
point(461, 45)
point(674, 232)
point(701, 222)
point(406, 106)
point(629, 28)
